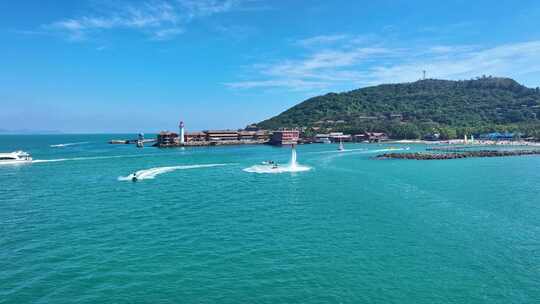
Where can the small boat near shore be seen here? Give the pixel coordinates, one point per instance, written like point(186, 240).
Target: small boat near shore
point(15, 157)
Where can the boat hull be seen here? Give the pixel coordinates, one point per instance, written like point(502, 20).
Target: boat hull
point(14, 162)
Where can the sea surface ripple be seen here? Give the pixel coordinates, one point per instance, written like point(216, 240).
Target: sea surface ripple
point(352, 229)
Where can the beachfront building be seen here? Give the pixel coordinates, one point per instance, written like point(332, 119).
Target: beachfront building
point(262, 135)
point(285, 137)
point(339, 137)
point(221, 135)
point(195, 136)
point(376, 136)
point(166, 138)
point(500, 136)
point(370, 137)
point(322, 138)
point(361, 137)
point(247, 135)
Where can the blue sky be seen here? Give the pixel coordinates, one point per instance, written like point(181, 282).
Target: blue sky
point(130, 66)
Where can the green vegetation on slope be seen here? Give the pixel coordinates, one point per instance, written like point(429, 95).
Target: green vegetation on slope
point(412, 110)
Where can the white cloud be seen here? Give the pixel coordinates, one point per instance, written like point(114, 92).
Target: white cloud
point(340, 41)
point(293, 84)
point(197, 8)
point(345, 66)
point(167, 33)
point(450, 49)
point(160, 20)
point(505, 60)
point(325, 60)
point(321, 40)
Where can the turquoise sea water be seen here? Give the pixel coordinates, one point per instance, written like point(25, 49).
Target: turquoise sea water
point(350, 230)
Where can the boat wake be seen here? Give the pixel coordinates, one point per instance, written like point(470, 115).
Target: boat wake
point(153, 172)
point(68, 144)
point(269, 169)
point(37, 161)
point(94, 158)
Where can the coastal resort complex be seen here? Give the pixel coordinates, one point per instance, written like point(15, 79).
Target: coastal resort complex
point(167, 139)
point(285, 137)
point(211, 137)
point(252, 135)
point(336, 137)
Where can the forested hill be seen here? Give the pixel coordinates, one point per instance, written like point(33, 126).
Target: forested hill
point(412, 110)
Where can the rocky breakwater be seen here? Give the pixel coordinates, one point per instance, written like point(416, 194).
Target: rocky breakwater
point(468, 154)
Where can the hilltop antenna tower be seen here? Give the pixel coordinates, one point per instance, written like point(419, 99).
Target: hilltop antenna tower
point(424, 75)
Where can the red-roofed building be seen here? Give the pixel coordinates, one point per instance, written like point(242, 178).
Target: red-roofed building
point(285, 137)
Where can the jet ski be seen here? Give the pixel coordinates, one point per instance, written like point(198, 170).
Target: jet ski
point(134, 177)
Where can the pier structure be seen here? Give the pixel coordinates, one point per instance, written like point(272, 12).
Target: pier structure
point(210, 138)
point(130, 141)
point(140, 141)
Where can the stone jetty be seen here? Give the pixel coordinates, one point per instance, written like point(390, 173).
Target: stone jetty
point(468, 154)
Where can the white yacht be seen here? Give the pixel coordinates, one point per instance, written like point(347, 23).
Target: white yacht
point(15, 157)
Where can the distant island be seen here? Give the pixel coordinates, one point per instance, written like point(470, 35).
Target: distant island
point(449, 109)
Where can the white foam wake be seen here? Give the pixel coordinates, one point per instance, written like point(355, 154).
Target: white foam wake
point(269, 169)
point(78, 158)
point(293, 166)
point(153, 172)
point(94, 158)
point(68, 144)
point(37, 161)
point(15, 162)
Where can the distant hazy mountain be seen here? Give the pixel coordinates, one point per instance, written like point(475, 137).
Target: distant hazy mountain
point(411, 110)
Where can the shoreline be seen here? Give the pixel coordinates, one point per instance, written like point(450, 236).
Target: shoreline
point(462, 142)
point(456, 155)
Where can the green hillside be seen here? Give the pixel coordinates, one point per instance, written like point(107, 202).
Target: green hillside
point(412, 110)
